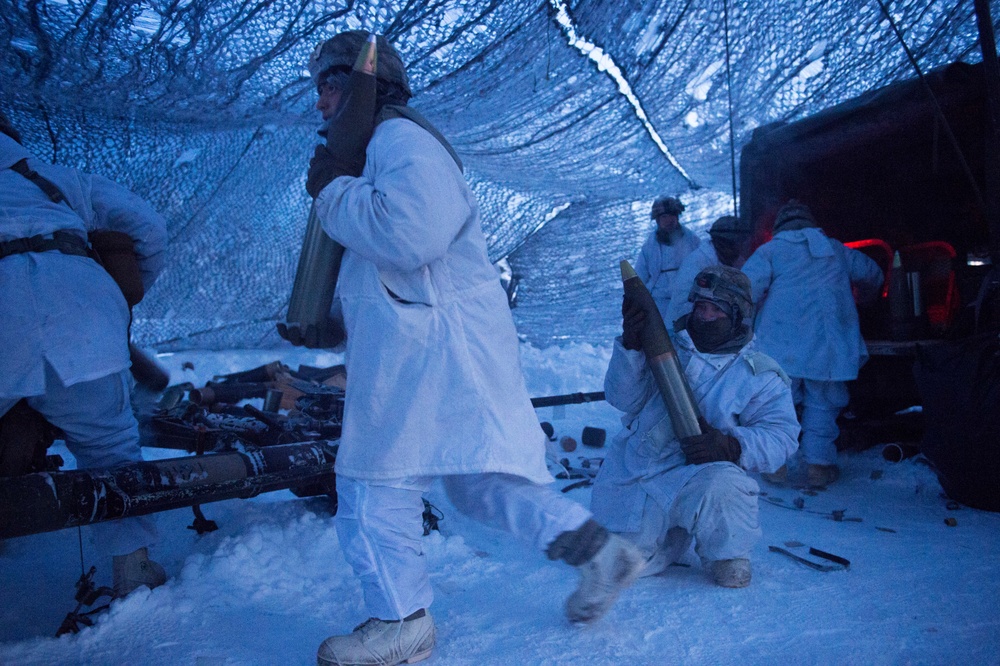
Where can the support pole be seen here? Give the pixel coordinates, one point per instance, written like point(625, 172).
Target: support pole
point(991, 75)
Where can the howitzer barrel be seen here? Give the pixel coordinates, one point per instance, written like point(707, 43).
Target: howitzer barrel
point(44, 502)
point(662, 359)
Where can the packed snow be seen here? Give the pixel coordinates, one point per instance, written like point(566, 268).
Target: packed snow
point(271, 583)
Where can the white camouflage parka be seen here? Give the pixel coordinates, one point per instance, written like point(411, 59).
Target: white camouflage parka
point(60, 309)
point(806, 316)
point(744, 395)
point(657, 264)
point(434, 376)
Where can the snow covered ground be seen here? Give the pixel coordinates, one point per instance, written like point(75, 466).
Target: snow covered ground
point(271, 583)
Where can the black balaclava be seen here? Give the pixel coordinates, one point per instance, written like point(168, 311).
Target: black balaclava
point(710, 336)
point(729, 289)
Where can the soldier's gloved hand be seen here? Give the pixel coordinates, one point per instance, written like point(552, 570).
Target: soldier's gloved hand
point(633, 320)
point(712, 445)
point(325, 336)
point(323, 168)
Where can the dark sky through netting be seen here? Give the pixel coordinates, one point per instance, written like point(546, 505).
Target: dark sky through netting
point(570, 117)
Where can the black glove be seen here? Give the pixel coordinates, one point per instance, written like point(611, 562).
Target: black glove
point(712, 445)
point(323, 168)
point(323, 336)
point(633, 320)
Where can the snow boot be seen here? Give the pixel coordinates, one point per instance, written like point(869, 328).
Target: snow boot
point(615, 566)
point(135, 570)
point(381, 642)
point(656, 564)
point(778, 477)
point(731, 573)
point(820, 476)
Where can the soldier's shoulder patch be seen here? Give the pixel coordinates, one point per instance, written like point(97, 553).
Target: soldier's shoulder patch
point(760, 363)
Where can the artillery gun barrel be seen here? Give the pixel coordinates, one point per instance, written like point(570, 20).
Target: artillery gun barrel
point(43, 502)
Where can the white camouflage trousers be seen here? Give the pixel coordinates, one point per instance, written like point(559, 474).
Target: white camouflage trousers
point(380, 527)
point(101, 431)
point(821, 403)
point(717, 508)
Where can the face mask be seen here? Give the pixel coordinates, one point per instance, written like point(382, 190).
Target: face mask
point(709, 336)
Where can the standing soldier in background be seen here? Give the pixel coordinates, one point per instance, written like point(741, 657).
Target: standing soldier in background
point(664, 250)
point(64, 323)
point(807, 320)
point(726, 248)
point(435, 388)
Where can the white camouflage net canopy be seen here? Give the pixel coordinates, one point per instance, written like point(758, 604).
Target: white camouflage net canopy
point(571, 117)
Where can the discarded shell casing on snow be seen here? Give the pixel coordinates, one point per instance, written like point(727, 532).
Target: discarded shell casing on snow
point(662, 359)
point(308, 320)
point(272, 400)
point(593, 437)
point(43, 502)
point(898, 452)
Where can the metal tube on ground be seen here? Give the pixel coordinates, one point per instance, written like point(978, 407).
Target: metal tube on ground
point(898, 452)
point(43, 502)
point(662, 359)
point(227, 392)
point(262, 373)
point(146, 371)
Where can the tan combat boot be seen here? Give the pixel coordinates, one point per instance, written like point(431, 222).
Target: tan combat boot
point(732, 573)
point(135, 570)
point(778, 477)
point(820, 476)
point(615, 566)
point(381, 642)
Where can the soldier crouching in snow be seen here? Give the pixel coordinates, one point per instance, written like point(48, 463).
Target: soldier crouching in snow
point(64, 322)
point(436, 390)
point(662, 492)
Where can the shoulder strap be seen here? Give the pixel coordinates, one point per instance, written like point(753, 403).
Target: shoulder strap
point(43, 183)
point(398, 111)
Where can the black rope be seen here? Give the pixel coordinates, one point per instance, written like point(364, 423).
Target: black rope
point(79, 534)
point(729, 93)
point(938, 112)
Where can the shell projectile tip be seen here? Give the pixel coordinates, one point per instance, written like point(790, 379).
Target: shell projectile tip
point(627, 271)
point(367, 61)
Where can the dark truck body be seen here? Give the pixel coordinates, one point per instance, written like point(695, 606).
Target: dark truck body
point(882, 168)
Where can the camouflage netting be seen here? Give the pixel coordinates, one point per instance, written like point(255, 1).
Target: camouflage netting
point(570, 117)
